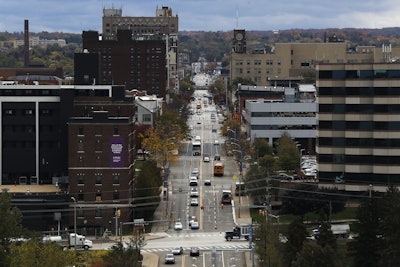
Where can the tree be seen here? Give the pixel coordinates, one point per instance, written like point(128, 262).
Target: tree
point(122, 256)
point(267, 244)
point(288, 154)
point(36, 254)
point(365, 249)
point(10, 226)
point(389, 227)
point(297, 235)
point(326, 237)
point(313, 255)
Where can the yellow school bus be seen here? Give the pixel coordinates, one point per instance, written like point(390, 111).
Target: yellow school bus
point(219, 169)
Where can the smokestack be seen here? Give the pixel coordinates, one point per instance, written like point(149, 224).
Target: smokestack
point(26, 44)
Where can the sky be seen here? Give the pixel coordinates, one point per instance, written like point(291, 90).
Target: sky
point(75, 16)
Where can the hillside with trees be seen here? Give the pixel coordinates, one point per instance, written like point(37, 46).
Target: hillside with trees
point(213, 46)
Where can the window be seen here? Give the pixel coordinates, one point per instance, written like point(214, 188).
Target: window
point(80, 195)
point(115, 195)
point(80, 213)
point(116, 131)
point(80, 131)
point(98, 195)
point(98, 179)
point(98, 213)
point(116, 179)
point(146, 117)
point(81, 179)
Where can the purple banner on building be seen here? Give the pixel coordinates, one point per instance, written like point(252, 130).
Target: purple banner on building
point(116, 152)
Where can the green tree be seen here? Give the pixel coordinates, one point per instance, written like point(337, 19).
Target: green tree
point(325, 236)
point(365, 249)
point(122, 256)
point(268, 247)
point(297, 235)
point(10, 226)
point(390, 228)
point(288, 154)
point(313, 255)
point(147, 189)
point(37, 254)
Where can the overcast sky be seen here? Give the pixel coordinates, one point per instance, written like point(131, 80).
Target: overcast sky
point(75, 16)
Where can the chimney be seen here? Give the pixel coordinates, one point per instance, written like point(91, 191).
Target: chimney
point(26, 44)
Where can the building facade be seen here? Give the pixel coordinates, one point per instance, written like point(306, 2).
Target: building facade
point(101, 160)
point(162, 24)
point(134, 62)
point(358, 135)
point(286, 111)
point(292, 60)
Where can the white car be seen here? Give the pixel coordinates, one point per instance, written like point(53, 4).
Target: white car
point(194, 202)
point(194, 192)
point(206, 158)
point(178, 226)
point(177, 251)
point(216, 142)
point(194, 225)
point(193, 182)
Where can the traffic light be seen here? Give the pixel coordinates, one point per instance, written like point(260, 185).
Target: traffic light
point(118, 213)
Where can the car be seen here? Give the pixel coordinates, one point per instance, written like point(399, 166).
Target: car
point(194, 192)
point(206, 158)
point(169, 258)
point(217, 157)
point(178, 226)
point(192, 219)
point(216, 142)
point(194, 225)
point(207, 182)
point(195, 172)
point(193, 182)
point(194, 202)
point(198, 122)
point(194, 251)
point(177, 251)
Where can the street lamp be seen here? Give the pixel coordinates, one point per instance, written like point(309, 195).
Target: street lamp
point(74, 199)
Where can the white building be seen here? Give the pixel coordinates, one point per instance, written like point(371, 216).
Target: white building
point(147, 109)
point(294, 114)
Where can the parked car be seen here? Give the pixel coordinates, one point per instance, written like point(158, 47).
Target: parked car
point(169, 259)
point(178, 226)
point(194, 251)
point(177, 251)
point(192, 219)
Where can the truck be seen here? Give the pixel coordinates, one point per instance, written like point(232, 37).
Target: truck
point(196, 147)
point(240, 231)
point(338, 230)
point(81, 241)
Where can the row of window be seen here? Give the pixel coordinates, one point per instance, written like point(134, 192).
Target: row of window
point(361, 177)
point(98, 196)
point(358, 74)
point(98, 179)
point(359, 142)
point(257, 62)
point(359, 125)
point(82, 132)
point(26, 112)
point(282, 114)
point(358, 159)
point(29, 92)
point(359, 108)
point(283, 127)
point(359, 91)
point(258, 71)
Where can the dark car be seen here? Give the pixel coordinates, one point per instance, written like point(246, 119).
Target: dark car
point(194, 251)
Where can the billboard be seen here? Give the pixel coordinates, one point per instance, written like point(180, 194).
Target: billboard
point(116, 152)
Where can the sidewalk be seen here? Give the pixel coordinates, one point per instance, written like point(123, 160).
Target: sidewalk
point(241, 215)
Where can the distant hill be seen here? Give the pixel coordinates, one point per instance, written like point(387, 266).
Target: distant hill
point(213, 46)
